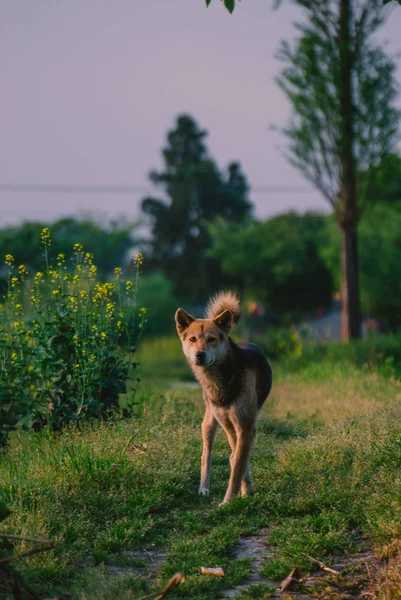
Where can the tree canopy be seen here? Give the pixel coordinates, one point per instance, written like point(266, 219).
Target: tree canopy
point(278, 262)
point(197, 192)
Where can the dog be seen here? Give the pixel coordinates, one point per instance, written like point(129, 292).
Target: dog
point(235, 379)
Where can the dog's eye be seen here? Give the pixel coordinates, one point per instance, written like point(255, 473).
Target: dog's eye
point(212, 339)
point(192, 339)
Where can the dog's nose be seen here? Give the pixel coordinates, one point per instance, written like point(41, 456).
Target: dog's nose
point(200, 356)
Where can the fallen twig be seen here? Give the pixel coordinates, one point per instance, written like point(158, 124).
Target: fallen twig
point(294, 578)
point(9, 536)
point(29, 553)
point(174, 582)
point(321, 564)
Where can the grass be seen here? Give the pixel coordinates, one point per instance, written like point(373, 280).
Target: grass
point(325, 465)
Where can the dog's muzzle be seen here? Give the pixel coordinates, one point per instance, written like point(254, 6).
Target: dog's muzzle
point(200, 358)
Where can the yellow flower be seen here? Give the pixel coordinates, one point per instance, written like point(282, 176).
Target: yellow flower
point(9, 260)
point(78, 248)
point(45, 236)
point(23, 270)
point(103, 335)
point(76, 366)
point(138, 260)
point(60, 259)
point(14, 281)
point(55, 292)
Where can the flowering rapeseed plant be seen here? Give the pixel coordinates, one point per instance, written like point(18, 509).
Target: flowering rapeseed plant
point(66, 360)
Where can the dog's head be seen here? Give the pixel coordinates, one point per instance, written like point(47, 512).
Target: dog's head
point(204, 341)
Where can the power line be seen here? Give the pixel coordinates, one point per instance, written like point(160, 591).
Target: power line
point(45, 188)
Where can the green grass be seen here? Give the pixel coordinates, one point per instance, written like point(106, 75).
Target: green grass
point(325, 465)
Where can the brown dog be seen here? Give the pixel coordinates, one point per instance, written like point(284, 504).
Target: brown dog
point(235, 378)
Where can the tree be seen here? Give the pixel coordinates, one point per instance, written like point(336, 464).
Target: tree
point(278, 262)
point(378, 244)
point(341, 87)
point(197, 193)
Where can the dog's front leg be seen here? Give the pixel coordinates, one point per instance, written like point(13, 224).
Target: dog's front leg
point(209, 426)
point(240, 463)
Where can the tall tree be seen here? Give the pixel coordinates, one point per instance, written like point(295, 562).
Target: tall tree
point(197, 193)
point(341, 87)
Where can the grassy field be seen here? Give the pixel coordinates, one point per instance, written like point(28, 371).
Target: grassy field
point(326, 467)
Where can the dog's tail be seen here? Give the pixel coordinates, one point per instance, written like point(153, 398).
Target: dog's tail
point(221, 302)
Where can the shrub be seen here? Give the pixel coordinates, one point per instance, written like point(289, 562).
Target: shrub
point(64, 362)
point(280, 344)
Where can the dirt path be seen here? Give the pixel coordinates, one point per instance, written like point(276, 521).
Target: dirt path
point(355, 572)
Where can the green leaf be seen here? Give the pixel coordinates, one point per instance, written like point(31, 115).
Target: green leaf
point(209, 1)
point(229, 4)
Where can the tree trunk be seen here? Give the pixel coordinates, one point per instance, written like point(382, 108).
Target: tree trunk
point(350, 310)
point(348, 207)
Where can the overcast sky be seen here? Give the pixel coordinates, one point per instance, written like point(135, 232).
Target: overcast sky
point(90, 87)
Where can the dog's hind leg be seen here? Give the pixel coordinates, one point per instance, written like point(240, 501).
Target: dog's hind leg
point(209, 426)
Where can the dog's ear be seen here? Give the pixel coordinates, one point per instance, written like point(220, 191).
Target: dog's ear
point(183, 320)
point(224, 321)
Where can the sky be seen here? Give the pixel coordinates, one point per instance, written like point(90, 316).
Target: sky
point(90, 88)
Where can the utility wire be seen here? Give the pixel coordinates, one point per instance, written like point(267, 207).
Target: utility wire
point(45, 188)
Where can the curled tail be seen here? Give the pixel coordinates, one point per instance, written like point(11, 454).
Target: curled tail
point(221, 302)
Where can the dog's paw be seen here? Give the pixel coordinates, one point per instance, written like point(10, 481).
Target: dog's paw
point(203, 491)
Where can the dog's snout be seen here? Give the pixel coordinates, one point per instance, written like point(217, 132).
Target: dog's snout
point(200, 356)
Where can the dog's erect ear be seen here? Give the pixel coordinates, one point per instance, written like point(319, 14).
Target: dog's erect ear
point(183, 320)
point(224, 321)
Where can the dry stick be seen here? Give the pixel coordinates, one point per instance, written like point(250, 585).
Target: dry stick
point(294, 578)
point(172, 583)
point(322, 565)
point(24, 539)
point(24, 554)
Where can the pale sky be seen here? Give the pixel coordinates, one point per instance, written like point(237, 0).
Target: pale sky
point(89, 89)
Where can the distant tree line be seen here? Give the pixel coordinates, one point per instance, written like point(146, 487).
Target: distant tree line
point(203, 237)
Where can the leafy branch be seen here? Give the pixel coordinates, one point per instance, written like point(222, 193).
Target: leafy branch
point(229, 4)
